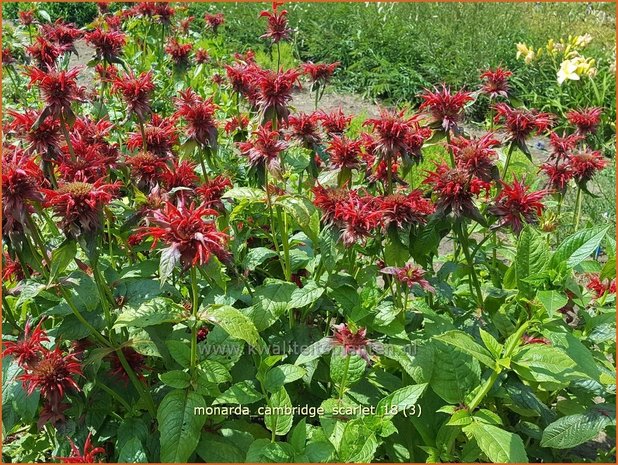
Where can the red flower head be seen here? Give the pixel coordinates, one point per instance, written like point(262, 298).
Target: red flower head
point(600, 288)
point(561, 147)
point(53, 374)
point(410, 274)
point(236, 123)
point(136, 92)
point(80, 204)
point(274, 92)
point(476, 156)
point(344, 152)
point(351, 343)
point(586, 120)
point(11, 269)
point(114, 22)
point(180, 174)
point(521, 123)
point(26, 17)
point(107, 44)
point(160, 135)
point(191, 238)
point(136, 361)
point(185, 24)
point(445, 107)
point(264, 148)
point(456, 191)
point(62, 34)
point(213, 21)
point(89, 455)
point(335, 122)
point(44, 53)
point(320, 73)
point(406, 209)
point(7, 57)
point(211, 191)
point(242, 76)
point(164, 12)
point(304, 128)
point(527, 339)
point(22, 180)
point(59, 89)
point(359, 216)
point(103, 7)
point(277, 28)
point(585, 164)
point(559, 175)
point(92, 160)
point(146, 168)
point(327, 199)
point(106, 74)
point(52, 413)
point(43, 139)
point(397, 134)
point(516, 205)
point(178, 52)
point(496, 82)
point(199, 114)
point(202, 56)
point(27, 350)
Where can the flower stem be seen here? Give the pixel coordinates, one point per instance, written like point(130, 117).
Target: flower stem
point(578, 209)
point(508, 160)
point(449, 149)
point(345, 376)
point(67, 137)
point(194, 308)
point(463, 237)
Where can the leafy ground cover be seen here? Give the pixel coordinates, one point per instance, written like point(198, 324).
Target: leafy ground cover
point(194, 271)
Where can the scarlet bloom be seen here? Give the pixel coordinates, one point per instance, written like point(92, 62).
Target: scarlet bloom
point(277, 28)
point(11, 269)
point(274, 92)
point(496, 82)
point(351, 342)
point(59, 89)
point(160, 135)
point(561, 147)
point(327, 199)
point(92, 160)
point(180, 174)
point(80, 204)
point(136, 92)
point(600, 288)
point(445, 107)
point(585, 164)
point(406, 209)
point(164, 12)
point(185, 24)
point(214, 21)
point(107, 74)
point(304, 128)
point(211, 191)
point(63, 34)
point(516, 205)
point(178, 52)
point(344, 152)
point(107, 44)
point(26, 17)
point(586, 120)
point(191, 238)
point(40, 134)
point(410, 274)
point(320, 73)
point(44, 53)
point(26, 351)
point(398, 134)
point(335, 122)
point(7, 57)
point(199, 114)
point(202, 56)
point(476, 155)
point(527, 339)
point(358, 216)
point(88, 456)
point(146, 168)
point(236, 123)
point(559, 175)
point(521, 123)
point(264, 148)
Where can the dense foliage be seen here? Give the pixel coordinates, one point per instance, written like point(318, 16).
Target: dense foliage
point(194, 271)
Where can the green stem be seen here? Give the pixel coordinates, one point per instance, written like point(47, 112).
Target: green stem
point(144, 394)
point(194, 308)
point(478, 398)
point(9, 313)
point(508, 161)
point(344, 378)
point(115, 395)
point(449, 149)
point(463, 236)
point(578, 209)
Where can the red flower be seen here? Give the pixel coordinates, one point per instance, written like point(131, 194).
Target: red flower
point(106, 74)
point(211, 191)
point(236, 123)
point(164, 12)
point(200, 116)
point(264, 149)
point(358, 216)
point(327, 199)
point(445, 107)
point(496, 82)
point(80, 203)
point(242, 75)
point(559, 175)
point(191, 239)
point(178, 52)
point(26, 17)
point(214, 21)
point(180, 174)
point(600, 288)
point(7, 57)
point(344, 152)
point(11, 269)
point(410, 275)
point(52, 413)
point(476, 156)
point(319, 73)
point(406, 209)
point(586, 164)
point(516, 205)
point(586, 120)
point(89, 455)
point(43, 138)
point(160, 135)
point(107, 44)
point(562, 146)
point(274, 92)
point(146, 168)
point(136, 92)
point(27, 350)
point(277, 28)
point(62, 34)
point(335, 122)
point(59, 89)
point(351, 343)
point(44, 53)
point(527, 339)
point(202, 333)
point(92, 160)
point(202, 56)
point(521, 123)
point(303, 127)
point(185, 24)
point(398, 135)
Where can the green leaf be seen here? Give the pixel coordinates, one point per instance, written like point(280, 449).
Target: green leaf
point(467, 344)
point(270, 302)
point(255, 257)
point(532, 257)
point(573, 430)
point(315, 350)
point(498, 445)
point(306, 295)
point(180, 352)
point(153, 312)
point(215, 449)
point(235, 323)
point(346, 369)
point(170, 257)
point(455, 375)
point(358, 443)
point(278, 421)
point(132, 452)
point(62, 257)
point(543, 363)
point(580, 354)
point(176, 378)
point(304, 212)
point(240, 393)
point(282, 374)
point(245, 193)
point(298, 438)
point(29, 291)
point(262, 450)
point(491, 343)
point(578, 247)
point(180, 425)
point(400, 399)
point(552, 301)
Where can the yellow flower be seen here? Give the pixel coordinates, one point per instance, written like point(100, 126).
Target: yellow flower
point(582, 41)
point(576, 67)
point(524, 51)
point(567, 71)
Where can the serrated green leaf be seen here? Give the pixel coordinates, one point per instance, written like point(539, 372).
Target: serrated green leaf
point(400, 399)
point(282, 374)
point(578, 247)
point(573, 430)
point(153, 312)
point(278, 421)
point(176, 378)
point(552, 301)
point(315, 350)
point(235, 323)
point(242, 393)
point(306, 295)
point(467, 344)
point(498, 445)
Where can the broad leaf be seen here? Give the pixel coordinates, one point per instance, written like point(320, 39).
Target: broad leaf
point(578, 247)
point(573, 430)
point(467, 344)
point(498, 445)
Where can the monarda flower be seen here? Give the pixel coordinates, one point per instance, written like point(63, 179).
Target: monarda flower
point(59, 89)
point(63, 34)
point(88, 456)
point(179, 53)
point(202, 56)
point(359, 217)
point(410, 275)
point(264, 148)
point(496, 82)
point(212, 190)
point(355, 343)
point(444, 107)
point(521, 123)
point(185, 24)
point(303, 127)
point(106, 74)
point(80, 204)
point(275, 92)
point(476, 156)
point(586, 120)
point(237, 123)
point(327, 199)
point(161, 136)
point(11, 269)
point(44, 53)
point(277, 28)
point(92, 160)
point(398, 135)
point(7, 57)
point(189, 232)
point(199, 114)
point(344, 153)
point(26, 351)
point(319, 73)
point(26, 17)
point(527, 339)
point(146, 169)
point(214, 21)
point(335, 122)
point(136, 92)
point(585, 164)
point(164, 13)
point(561, 147)
point(41, 138)
point(108, 45)
point(600, 288)
point(180, 174)
point(516, 205)
point(559, 175)
point(402, 210)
